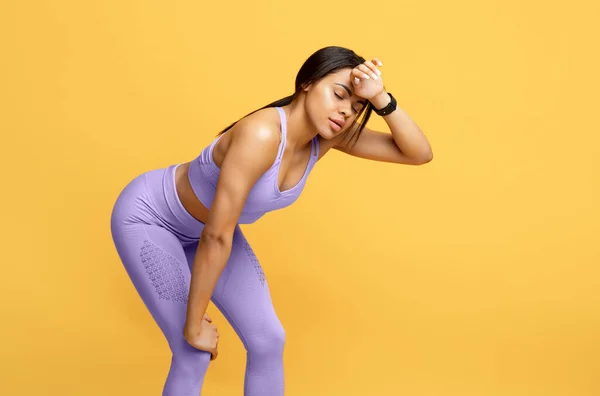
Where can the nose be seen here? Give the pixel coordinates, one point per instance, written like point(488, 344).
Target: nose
point(346, 110)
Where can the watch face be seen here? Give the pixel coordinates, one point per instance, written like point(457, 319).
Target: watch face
point(389, 108)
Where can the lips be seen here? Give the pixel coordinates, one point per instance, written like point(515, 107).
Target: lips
point(338, 122)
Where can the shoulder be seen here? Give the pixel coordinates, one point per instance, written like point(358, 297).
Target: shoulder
point(257, 129)
point(261, 127)
point(254, 139)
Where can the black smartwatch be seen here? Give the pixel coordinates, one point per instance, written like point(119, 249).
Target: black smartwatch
point(387, 109)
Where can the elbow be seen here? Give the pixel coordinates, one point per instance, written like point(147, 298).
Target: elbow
point(221, 239)
point(215, 247)
point(425, 158)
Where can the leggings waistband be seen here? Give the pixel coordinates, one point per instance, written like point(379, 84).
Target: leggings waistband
point(180, 218)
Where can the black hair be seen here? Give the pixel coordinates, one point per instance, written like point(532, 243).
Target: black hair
point(325, 61)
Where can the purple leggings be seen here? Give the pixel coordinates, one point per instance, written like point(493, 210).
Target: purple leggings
point(156, 239)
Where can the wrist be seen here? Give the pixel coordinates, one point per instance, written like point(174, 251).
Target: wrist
point(192, 327)
point(380, 100)
point(188, 333)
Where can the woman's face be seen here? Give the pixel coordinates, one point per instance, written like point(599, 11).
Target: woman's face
point(332, 99)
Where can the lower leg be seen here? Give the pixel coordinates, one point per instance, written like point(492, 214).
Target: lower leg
point(187, 371)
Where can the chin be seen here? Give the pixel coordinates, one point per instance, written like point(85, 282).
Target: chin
point(329, 134)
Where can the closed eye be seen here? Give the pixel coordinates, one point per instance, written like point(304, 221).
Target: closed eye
point(343, 99)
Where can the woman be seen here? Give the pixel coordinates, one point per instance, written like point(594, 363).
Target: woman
point(176, 229)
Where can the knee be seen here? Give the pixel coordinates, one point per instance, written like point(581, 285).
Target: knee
point(267, 343)
point(188, 359)
point(191, 365)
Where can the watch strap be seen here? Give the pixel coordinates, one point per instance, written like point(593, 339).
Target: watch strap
point(387, 109)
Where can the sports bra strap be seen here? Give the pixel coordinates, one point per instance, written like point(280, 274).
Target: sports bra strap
point(283, 119)
point(314, 142)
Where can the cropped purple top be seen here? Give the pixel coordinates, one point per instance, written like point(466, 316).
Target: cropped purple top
point(265, 195)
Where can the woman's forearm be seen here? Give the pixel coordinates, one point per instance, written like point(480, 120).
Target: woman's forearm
point(210, 260)
point(406, 133)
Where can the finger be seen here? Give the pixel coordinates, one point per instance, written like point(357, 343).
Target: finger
point(207, 318)
point(358, 76)
point(215, 351)
point(377, 61)
point(358, 72)
point(367, 71)
point(372, 67)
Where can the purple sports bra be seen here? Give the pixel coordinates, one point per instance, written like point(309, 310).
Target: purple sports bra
point(264, 195)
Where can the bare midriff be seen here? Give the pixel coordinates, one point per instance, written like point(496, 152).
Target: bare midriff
point(188, 199)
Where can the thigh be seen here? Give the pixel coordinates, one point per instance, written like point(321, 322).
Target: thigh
point(155, 261)
point(242, 293)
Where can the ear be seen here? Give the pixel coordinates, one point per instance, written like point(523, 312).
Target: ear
point(306, 87)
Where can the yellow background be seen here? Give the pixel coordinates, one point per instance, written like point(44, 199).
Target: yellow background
point(476, 274)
